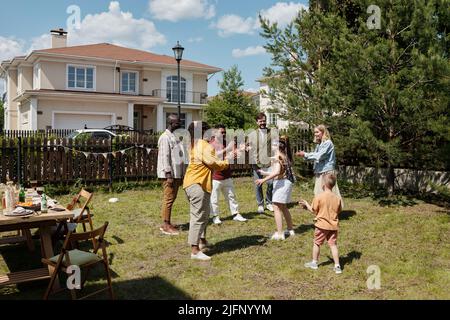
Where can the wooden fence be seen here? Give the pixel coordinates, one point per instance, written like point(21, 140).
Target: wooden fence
point(55, 133)
point(47, 158)
point(63, 133)
point(52, 161)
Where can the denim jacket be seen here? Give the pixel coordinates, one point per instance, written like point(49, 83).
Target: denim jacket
point(323, 156)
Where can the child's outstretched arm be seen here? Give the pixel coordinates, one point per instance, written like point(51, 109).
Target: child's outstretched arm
point(306, 205)
point(276, 169)
point(264, 173)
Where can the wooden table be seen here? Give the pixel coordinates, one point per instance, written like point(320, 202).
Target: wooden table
point(43, 221)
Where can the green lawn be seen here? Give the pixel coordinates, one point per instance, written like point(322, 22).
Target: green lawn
point(411, 245)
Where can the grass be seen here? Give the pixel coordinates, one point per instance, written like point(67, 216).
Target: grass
point(410, 244)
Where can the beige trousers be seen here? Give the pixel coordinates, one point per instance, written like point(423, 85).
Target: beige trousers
point(318, 186)
point(200, 206)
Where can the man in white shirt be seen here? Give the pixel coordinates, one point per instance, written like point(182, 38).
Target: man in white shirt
point(260, 153)
point(171, 169)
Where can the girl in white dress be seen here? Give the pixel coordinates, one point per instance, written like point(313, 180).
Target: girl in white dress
point(283, 181)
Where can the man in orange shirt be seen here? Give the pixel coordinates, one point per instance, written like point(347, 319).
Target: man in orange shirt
point(327, 207)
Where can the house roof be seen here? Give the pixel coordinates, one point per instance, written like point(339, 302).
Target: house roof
point(114, 52)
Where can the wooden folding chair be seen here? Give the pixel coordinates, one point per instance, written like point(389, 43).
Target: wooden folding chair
point(82, 214)
point(85, 260)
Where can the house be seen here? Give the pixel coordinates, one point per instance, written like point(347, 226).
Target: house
point(269, 108)
point(100, 85)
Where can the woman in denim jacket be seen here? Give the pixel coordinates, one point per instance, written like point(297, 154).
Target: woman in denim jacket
point(324, 158)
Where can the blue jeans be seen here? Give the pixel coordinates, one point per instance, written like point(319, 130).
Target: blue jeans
point(259, 190)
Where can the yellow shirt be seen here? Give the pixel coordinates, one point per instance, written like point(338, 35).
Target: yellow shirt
point(327, 207)
point(203, 162)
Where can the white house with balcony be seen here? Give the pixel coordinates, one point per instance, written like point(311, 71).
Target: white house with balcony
point(270, 108)
point(99, 85)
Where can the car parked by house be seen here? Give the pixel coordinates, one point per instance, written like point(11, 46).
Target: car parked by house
point(88, 134)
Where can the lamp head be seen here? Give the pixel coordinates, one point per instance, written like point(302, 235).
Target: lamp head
point(178, 51)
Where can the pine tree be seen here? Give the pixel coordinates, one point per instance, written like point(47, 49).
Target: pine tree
point(231, 107)
point(385, 93)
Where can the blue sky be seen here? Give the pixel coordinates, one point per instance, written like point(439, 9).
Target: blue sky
point(220, 33)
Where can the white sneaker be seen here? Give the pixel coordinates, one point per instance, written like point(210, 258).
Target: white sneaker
point(311, 265)
point(277, 236)
point(269, 207)
point(216, 220)
point(260, 209)
point(239, 218)
point(290, 233)
point(200, 256)
point(337, 269)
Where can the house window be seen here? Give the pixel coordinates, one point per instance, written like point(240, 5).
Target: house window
point(81, 77)
point(182, 118)
point(172, 89)
point(273, 119)
point(129, 82)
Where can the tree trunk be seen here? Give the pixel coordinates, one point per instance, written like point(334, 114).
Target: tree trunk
point(391, 180)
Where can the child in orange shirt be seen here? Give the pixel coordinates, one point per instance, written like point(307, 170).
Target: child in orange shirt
point(326, 206)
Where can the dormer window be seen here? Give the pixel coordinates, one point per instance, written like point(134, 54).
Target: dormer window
point(129, 83)
point(80, 77)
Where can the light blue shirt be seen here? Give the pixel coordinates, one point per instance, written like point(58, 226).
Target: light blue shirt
point(323, 156)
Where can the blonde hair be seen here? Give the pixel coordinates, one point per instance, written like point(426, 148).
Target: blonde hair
point(326, 134)
point(329, 180)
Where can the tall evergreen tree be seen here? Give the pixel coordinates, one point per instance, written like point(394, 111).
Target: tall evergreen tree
point(231, 107)
point(384, 92)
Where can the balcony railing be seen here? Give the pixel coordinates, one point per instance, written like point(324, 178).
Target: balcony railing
point(186, 96)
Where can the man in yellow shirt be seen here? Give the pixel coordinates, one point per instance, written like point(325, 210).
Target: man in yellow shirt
point(198, 186)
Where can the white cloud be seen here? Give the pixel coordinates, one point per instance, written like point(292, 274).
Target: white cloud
point(250, 51)
point(42, 42)
point(117, 27)
point(283, 13)
point(113, 26)
point(10, 48)
point(233, 24)
point(175, 10)
point(195, 40)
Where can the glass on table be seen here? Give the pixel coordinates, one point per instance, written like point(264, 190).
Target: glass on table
point(40, 190)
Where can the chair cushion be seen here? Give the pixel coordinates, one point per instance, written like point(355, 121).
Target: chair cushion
point(78, 258)
point(76, 213)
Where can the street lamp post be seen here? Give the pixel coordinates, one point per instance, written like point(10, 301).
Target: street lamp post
point(178, 52)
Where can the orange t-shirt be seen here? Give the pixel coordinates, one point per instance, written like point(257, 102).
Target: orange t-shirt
point(327, 207)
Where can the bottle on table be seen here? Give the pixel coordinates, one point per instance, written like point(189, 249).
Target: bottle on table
point(22, 195)
point(2, 197)
point(10, 197)
point(44, 207)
